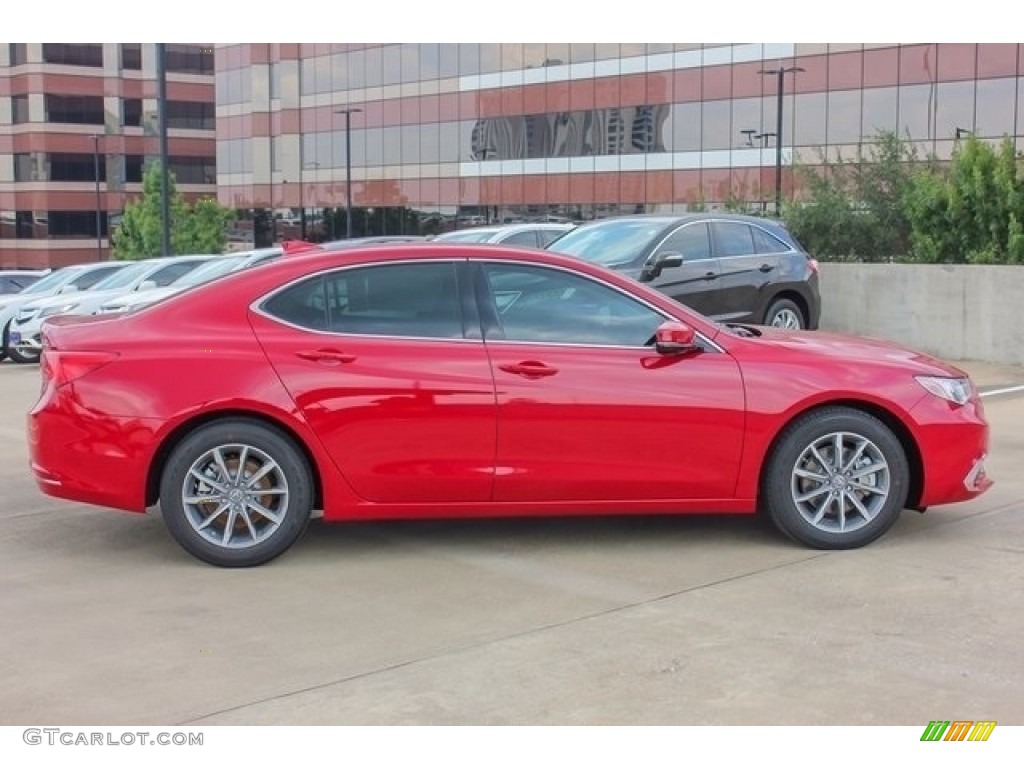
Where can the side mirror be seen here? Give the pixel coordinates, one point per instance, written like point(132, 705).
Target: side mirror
point(674, 338)
point(662, 261)
point(146, 285)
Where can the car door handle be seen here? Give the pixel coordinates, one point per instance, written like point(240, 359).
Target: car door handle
point(767, 267)
point(326, 356)
point(710, 275)
point(531, 369)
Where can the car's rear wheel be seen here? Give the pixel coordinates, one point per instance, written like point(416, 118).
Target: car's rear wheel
point(837, 479)
point(784, 313)
point(236, 493)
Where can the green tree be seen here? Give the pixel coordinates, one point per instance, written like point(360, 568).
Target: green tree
point(971, 212)
point(198, 228)
point(854, 208)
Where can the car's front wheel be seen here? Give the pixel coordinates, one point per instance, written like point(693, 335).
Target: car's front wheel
point(784, 313)
point(236, 493)
point(837, 479)
point(20, 356)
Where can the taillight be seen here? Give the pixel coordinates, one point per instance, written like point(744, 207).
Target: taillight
point(64, 367)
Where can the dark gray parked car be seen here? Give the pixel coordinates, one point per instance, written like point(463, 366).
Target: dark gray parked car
point(729, 267)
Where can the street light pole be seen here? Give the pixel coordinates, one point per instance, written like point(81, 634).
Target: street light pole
point(780, 74)
point(302, 206)
point(96, 175)
point(347, 112)
point(165, 186)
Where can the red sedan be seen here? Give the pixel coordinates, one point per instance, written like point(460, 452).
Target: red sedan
point(447, 380)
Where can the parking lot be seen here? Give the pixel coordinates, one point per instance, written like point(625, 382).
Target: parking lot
point(679, 621)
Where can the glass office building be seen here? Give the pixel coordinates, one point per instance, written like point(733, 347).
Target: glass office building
point(439, 136)
point(68, 110)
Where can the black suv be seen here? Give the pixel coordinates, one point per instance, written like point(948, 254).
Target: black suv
point(729, 267)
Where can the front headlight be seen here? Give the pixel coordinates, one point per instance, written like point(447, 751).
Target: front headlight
point(955, 390)
point(63, 309)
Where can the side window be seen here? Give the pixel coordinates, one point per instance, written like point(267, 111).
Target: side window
point(172, 272)
point(691, 241)
point(418, 300)
point(90, 278)
point(766, 243)
point(734, 238)
point(547, 305)
point(302, 304)
point(527, 238)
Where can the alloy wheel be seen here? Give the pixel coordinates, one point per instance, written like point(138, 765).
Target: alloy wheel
point(235, 496)
point(840, 482)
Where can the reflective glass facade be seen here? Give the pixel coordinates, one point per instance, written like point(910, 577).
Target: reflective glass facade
point(447, 135)
point(54, 98)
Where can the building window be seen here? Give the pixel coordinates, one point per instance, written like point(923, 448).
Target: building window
point(81, 110)
point(133, 168)
point(23, 167)
point(19, 109)
point(132, 112)
point(194, 170)
point(71, 224)
point(274, 75)
point(75, 167)
point(24, 228)
point(189, 59)
point(190, 114)
point(18, 53)
point(77, 55)
point(131, 55)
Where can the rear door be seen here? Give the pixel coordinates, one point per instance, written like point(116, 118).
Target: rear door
point(383, 364)
point(746, 274)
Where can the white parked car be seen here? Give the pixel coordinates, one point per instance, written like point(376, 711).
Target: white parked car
point(23, 340)
point(532, 234)
point(233, 262)
point(78, 277)
point(17, 280)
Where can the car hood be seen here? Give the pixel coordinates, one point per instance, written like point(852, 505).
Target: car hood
point(818, 344)
point(71, 298)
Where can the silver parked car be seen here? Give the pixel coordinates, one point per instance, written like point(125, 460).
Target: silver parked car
point(531, 235)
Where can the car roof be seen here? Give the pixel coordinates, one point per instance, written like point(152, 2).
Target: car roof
point(673, 218)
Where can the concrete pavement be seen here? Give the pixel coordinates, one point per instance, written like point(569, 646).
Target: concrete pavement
point(611, 621)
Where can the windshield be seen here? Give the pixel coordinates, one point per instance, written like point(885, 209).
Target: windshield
point(611, 242)
point(123, 277)
point(54, 280)
point(209, 271)
point(468, 236)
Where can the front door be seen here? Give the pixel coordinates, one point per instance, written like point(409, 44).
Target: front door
point(695, 282)
point(588, 410)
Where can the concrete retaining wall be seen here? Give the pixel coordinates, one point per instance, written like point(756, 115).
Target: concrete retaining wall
point(957, 312)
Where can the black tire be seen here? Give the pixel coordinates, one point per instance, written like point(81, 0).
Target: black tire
point(19, 357)
point(873, 470)
point(784, 313)
point(285, 490)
